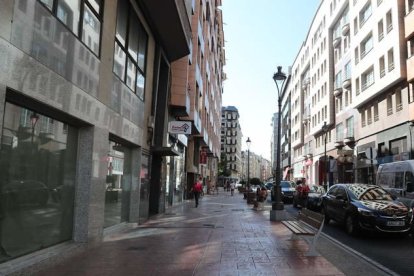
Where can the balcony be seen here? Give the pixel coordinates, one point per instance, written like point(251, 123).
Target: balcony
point(350, 142)
point(337, 92)
point(336, 42)
point(339, 144)
point(409, 24)
point(346, 84)
point(345, 29)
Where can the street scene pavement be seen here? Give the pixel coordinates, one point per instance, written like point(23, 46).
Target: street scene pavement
point(223, 236)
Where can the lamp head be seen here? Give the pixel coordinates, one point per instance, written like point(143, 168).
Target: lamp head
point(279, 77)
point(324, 127)
point(248, 142)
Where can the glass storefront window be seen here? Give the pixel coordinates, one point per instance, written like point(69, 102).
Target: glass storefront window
point(117, 188)
point(37, 181)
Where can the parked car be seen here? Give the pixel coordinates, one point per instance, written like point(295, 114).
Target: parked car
point(366, 207)
point(314, 200)
point(287, 188)
point(25, 192)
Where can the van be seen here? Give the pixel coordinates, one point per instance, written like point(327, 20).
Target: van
point(397, 178)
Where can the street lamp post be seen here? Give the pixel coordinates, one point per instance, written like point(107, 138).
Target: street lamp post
point(248, 142)
point(277, 205)
point(325, 131)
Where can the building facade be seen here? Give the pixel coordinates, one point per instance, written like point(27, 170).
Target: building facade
point(231, 141)
point(87, 90)
point(351, 91)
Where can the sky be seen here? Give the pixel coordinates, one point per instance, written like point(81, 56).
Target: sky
point(259, 36)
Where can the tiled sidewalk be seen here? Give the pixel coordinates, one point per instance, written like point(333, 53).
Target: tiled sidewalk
point(223, 236)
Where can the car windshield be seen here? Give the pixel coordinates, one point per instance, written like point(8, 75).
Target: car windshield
point(369, 192)
point(285, 184)
point(316, 189)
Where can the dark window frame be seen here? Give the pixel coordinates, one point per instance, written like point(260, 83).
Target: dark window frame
point(142, 34)
point(98, 15)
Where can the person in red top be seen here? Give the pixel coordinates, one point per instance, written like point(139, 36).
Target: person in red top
point(197, 189)
point(303, 191)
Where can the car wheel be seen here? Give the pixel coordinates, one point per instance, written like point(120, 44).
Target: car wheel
point(351, 225)
point(327, 218)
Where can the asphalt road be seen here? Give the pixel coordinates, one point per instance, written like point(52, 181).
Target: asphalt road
point(393, 252)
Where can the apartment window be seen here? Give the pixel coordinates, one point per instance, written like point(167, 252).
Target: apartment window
point(369, 116)
point(356, 52)
point(355, 25)
point(382, 66)
point(338, 80)
point(366, 45)
point(410, 46)
point(339, 132)
point(131, 42)
point(389, 105)
point(347, 73)
point(365, 13)
point(379, 2)
point(389, 21)
point(380, 30)
point(398, 101)
point(357, 86)
point(376, 114)
point(82, 17)
point(350, 126)
point(390, 60)
point(363, 119)
point(410, 6)
point(367, 78)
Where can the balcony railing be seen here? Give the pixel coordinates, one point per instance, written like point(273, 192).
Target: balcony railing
point(380, 36)
point(389, 111)
point(389, 28)
point(399, 107)
point(382, 72)
point(391, 67)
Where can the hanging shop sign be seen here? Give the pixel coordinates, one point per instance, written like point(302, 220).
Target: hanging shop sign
point(179, 127)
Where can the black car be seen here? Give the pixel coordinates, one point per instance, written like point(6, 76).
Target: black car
point(287, 188)
point(366, 207)
point(314, 200)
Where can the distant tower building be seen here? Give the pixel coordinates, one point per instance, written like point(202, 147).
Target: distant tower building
point(231, 140)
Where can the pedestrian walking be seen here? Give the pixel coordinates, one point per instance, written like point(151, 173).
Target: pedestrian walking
point(197, 189)
point(303, 191)
point(232, 187)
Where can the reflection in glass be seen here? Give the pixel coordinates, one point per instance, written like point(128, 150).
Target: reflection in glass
point(119, 61)
point(91, 30)
point(144, 189)
point(133, 37)
point(140, 85)
point(96, 5)
point(121, 21)
point(48, 3)
point(37, 181)
point(117, 188)
point(131, 74)
point(68, 11)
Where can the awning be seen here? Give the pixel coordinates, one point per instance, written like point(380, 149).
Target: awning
point(165, 151)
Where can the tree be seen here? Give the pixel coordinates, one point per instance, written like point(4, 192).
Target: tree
point(222, 166)
point(255, 181)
